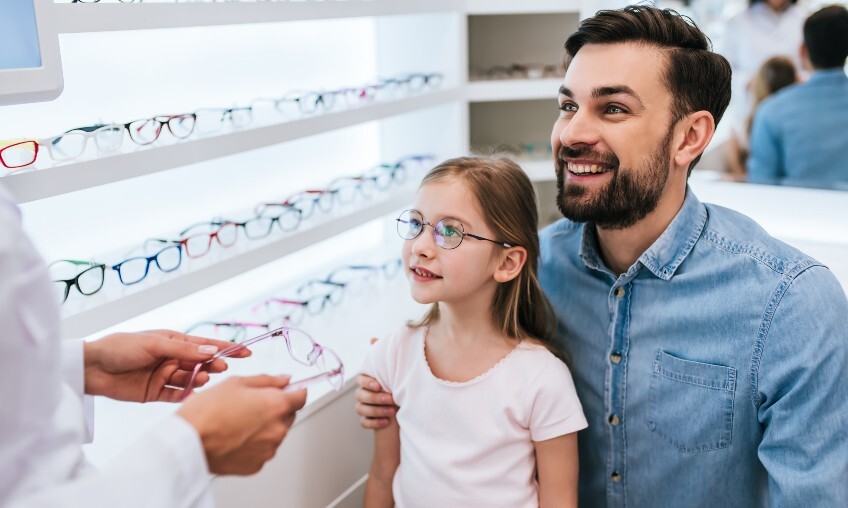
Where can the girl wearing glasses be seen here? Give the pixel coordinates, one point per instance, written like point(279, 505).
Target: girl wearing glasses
point(487, 410)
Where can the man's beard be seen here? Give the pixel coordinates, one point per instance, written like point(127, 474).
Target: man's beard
point(627, 198)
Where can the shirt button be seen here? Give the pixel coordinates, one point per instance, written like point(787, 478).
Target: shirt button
point(615, 358)
point(619, 292)
point(616, 478)
point(614, 420)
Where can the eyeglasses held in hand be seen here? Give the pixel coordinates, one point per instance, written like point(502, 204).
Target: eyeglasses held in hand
point(448, 232)
point(301, 347)
point(87, 282)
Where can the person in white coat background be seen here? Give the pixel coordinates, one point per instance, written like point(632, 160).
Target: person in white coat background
point(46, 386)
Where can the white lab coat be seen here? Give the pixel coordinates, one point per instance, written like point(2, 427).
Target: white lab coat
point(44, 420)
point(755, 35)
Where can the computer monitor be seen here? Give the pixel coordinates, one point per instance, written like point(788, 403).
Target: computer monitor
point(30, 67)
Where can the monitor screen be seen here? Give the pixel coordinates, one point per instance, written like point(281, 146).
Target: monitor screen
point(18, 35)
point(30, 67)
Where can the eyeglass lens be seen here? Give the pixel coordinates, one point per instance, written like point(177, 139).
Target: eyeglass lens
point(447, 232)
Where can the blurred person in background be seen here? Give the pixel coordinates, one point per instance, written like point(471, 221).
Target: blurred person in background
point(799, 134)
point(766, 28)
point(776, 73)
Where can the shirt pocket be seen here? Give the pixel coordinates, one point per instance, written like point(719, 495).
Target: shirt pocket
point(691, 403)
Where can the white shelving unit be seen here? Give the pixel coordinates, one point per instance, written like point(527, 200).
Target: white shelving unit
point(479, 7)
point(225, 264)
point(76, 18)
point(514, 90)
point(61, 179)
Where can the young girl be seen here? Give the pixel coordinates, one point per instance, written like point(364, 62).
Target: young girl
point(488, 412)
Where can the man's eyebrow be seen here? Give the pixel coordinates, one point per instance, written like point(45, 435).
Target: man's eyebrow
point(605, 91)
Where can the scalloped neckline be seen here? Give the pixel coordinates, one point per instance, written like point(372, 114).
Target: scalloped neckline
point(472, 381)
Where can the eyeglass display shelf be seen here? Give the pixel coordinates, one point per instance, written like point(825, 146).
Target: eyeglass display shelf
point(48, 182)
point(497, 90)
point(105, 17)
point(482, 7)
point(149, 295)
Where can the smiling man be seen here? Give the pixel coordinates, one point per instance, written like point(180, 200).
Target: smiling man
point(709, 357)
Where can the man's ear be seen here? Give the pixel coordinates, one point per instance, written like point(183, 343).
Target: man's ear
point(698, 130)
point(512, 261)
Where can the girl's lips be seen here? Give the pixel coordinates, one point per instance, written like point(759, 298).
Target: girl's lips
point(423, 275)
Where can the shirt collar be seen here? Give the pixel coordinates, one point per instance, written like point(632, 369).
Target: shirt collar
point(669, 250)
point(827, 74)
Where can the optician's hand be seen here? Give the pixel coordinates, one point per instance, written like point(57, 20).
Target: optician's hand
point(145, 366)
point(242, 421)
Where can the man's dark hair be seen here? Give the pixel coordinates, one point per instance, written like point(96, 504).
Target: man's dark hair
point(826, 37)
point(698, 79)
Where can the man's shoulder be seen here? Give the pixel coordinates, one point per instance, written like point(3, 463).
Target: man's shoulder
point(778, 101)
point(735, 234)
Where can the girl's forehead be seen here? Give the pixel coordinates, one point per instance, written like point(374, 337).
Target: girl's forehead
point(447, 197)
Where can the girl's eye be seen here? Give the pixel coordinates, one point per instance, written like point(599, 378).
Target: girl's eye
point(414, 224)
point(449, 231)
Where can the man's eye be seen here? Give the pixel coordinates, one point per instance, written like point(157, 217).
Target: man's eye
point(568, 106)
point(614, 109)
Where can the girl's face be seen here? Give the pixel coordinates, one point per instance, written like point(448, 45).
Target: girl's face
point(459, 275)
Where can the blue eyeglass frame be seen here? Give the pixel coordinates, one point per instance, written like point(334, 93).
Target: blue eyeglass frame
point(150, 259)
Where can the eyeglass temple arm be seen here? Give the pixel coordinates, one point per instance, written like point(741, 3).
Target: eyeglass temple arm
point(243, 345)
point(502, 244)
point(303, 383)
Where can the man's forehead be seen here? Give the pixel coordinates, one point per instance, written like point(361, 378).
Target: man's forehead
point(637, 66)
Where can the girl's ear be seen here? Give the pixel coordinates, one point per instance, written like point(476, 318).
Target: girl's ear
point(512, 261)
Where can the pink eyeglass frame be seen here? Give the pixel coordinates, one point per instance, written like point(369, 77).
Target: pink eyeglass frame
point(317, 353)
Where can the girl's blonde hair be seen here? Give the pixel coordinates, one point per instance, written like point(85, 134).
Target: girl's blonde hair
point(507, 200)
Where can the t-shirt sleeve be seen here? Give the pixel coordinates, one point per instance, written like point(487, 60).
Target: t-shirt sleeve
point(381, 361)
point(554, 408)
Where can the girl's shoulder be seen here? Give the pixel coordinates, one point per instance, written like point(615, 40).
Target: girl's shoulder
point(535, 357)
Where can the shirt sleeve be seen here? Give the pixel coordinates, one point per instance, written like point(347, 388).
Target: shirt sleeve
point(802, 391)
point(166, 468)
point(554, 408)
point(381, 361)
point(765, 162)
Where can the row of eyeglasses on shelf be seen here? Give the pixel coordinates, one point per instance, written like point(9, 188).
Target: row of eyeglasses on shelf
point(534, 150)
point(16, 154)
point(195, 241)
point(517, 71)
point(280, 314)
point(308, 299)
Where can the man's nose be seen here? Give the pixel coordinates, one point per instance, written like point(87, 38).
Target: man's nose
point(581, 129)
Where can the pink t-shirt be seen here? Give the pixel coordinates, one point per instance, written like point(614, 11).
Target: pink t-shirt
point(471, 444)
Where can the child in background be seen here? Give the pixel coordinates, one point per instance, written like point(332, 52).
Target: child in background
point(776, 73)
point(488, 411)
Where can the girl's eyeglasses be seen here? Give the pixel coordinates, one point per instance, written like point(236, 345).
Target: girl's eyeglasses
point(301, 347)
point(448, 232)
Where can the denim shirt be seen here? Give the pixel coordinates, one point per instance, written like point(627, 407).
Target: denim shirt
point(800, 134)
point(713, 373)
